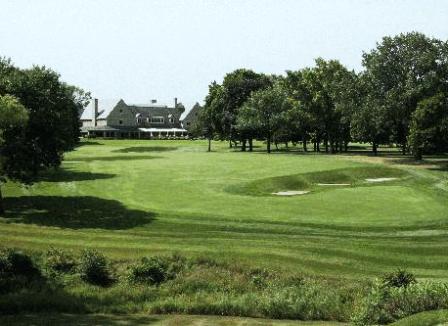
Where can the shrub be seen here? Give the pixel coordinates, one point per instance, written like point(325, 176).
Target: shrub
point(383, 305)
point(16, 263)
point(94, 269)
point(156, 270)
point(399, 278)
point(17, 270)
point(259, 277)
point(59, 261)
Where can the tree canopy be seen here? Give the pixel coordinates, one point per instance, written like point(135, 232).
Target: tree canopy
point(39, 120)
point(391, 101)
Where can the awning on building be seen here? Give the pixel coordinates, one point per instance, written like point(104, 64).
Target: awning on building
point(165, 130)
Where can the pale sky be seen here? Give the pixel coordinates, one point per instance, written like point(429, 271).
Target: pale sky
point(140, 50)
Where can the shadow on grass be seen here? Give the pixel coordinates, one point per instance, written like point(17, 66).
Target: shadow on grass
point(74, 212)
point(112, 158)
point(79, 320)
point(37, 297)
point(145, 149)
point(88, 143)
point(66, 175)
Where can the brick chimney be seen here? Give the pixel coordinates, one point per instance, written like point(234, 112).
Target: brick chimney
point(175, 102)
point(95, 112)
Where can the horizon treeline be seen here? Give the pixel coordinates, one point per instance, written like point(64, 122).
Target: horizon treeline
point(399, 98)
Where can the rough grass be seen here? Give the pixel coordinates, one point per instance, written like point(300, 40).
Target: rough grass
point(156, 320)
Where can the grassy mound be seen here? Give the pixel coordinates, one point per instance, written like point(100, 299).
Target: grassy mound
point(310, 181)
point(426, 318)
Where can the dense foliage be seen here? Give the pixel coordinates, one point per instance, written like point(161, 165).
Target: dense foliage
point(39, 120)
point(400, 98)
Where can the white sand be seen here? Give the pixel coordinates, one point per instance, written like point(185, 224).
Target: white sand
point(290, 193)
point(333, 184)
point(380, 179)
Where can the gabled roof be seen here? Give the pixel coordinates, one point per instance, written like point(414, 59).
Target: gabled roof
point(104, 108)
point(151, 109)
point(193, 112)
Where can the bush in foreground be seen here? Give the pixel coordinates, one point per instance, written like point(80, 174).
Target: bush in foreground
point(17, 270)
point(94, 268)
point(156, 270)
point(399, 278)
point(383, 305)
point(59, 261)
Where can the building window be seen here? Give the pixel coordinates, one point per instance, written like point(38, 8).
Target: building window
point(158, 120)
point(172, 120)
point(121, 110)
point(121, 122)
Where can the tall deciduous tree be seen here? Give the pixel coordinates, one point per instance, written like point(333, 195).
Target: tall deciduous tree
point(53, 109)
point(404, 71)
point(13, 120)
point(237, 88)
point(429, 126)
point(369, 121)
point(265, 111)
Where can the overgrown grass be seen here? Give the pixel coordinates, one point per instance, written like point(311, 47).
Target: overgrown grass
point(177, 285)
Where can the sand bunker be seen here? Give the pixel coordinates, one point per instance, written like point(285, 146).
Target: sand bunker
point(333, 184)
point(380, 179)
point(290, 193)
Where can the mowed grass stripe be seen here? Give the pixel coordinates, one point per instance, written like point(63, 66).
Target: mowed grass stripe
point(184, 192)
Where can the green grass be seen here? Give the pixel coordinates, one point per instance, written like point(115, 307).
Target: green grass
point(135, 198)
point(156, 320)
point(427, 318)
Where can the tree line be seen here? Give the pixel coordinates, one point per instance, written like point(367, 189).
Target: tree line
point(39, 120)
point(399, 98)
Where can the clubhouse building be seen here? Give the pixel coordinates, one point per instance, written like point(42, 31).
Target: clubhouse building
point(118, 119)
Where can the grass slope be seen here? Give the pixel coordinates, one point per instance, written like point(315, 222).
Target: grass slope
point(135, 198)
point(134, 320)
point(427, 318)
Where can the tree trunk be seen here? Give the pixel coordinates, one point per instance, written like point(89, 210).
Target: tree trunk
point(268, 143)
point(304, 146)
point(346, 146)
point(315, 146)
point(318, 145)
point(243, 145)
point(326, 145)
point(403, 149)
point(230, 143)
point(250, 144)
point(418, 155)
point(209, 144)
point(374, 148)
point(341, 147)
point(2, 210)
